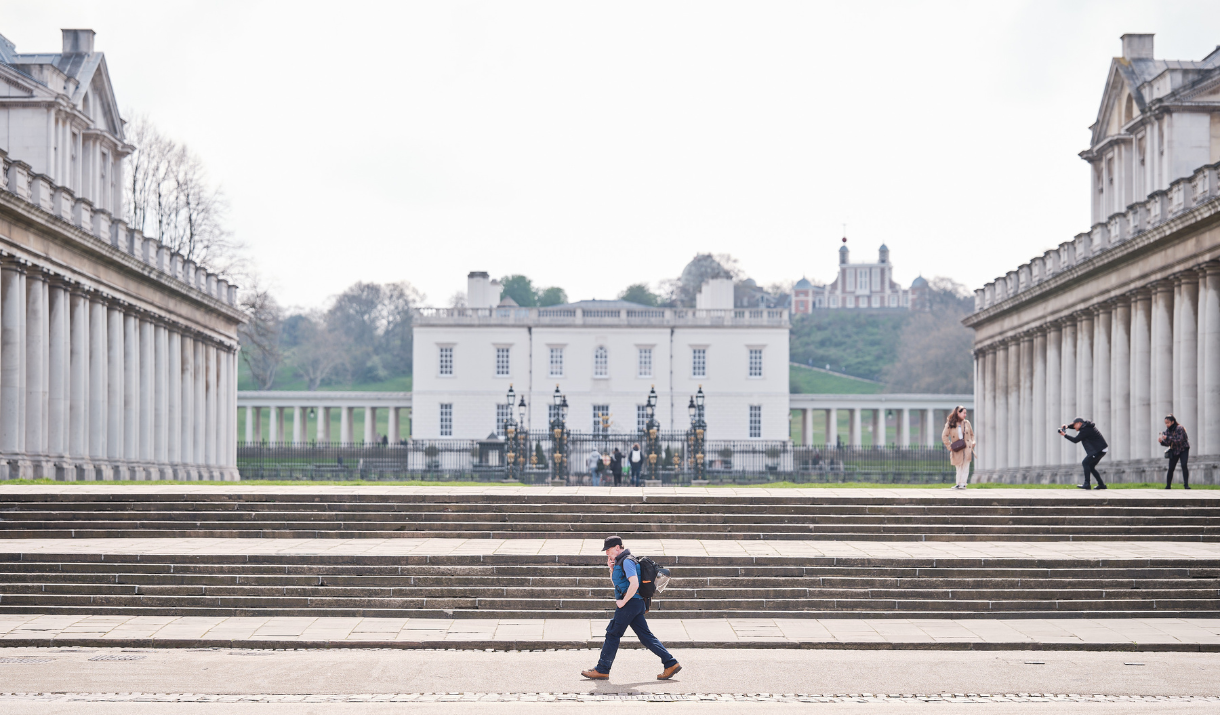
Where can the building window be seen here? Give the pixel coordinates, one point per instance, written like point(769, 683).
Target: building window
point(503, 414)
point(756, 362)
point(876, 301)
point(834, 301)
point(862, 280)
point(698, 362)
point(446, 419)
point(601, 419)
point(755, 421)
point(645, 363)
point(446, 361)
point(893, 301)
point(849, 301)
point(601, 362)
point(641, 418)
point(556, 362)
point(501, 362)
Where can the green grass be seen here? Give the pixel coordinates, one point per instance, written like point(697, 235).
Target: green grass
point(273, 483)
point(980, 485)
point(285, 381)
point(805, 380)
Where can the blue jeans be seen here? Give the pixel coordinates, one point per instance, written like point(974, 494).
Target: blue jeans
point(631, 615)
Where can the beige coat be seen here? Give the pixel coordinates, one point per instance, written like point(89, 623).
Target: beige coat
point(949, 435)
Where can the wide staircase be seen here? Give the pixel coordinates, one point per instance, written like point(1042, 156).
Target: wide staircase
point(293, 515)
point(523, 587)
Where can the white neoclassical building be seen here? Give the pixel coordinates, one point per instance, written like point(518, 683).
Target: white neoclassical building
point(1120, 325)
point(118, 357)
point(604, 356)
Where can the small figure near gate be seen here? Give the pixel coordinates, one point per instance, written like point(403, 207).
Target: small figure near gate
point(958, 438)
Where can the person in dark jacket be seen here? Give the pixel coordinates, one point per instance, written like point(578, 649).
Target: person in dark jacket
point(616, 466)
point(1174, 437)
point(1094, 448)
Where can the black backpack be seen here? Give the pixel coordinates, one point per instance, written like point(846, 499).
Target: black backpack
point(653, 578)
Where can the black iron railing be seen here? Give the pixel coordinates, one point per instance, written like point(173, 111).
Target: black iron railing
point(725, 461)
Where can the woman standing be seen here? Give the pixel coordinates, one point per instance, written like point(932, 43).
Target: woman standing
point(958, 437)
point(1174, 437)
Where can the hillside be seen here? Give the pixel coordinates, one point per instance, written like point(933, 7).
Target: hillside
point(804, 380)
point(858, 343)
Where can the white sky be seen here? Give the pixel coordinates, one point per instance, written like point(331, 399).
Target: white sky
point(593, 145)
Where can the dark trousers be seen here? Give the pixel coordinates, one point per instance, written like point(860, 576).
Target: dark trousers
point(1090, 467)
point(635, 473)
point(1173, 462)
point(631, 615)
point(618, 477)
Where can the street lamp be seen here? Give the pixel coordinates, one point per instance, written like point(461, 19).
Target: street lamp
point(652, 441)
point(559, 436)
point(695, 437)
point(516, 441)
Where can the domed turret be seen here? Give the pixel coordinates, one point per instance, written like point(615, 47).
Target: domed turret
point(803, 284)
point(919, 282)
point(883, 254)
point(843, 255)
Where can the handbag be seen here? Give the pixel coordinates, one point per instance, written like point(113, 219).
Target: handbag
point(958, 445)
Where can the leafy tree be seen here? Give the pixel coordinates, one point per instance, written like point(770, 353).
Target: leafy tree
point(319, 351)
point(639, 293)
point(552, 296)
point(520, 289)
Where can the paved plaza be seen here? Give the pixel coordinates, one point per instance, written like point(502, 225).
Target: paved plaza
point(1159, 634)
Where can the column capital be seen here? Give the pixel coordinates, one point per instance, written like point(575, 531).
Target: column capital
point(1162, 286)
point(9, 262)
point(1211, 268)
point(1141, 293)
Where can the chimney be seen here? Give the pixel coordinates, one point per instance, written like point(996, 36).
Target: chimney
point(1137, 47)
point(477, 290)
point(78, 41)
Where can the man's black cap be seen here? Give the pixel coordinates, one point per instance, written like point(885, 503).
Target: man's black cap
point(611, 541)
point(1078, 419)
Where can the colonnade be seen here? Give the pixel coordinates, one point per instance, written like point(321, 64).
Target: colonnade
point(300, 407)
point(96, 387)
point(1123, 363)
point(931, 411)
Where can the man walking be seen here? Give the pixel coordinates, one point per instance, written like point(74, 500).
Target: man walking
point(1094, 448)
point(629, 611)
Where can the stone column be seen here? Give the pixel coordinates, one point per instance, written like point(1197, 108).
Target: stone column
point(832, 426)
point(58, 361)
point(1084, 366)
point(1013, 396)
point(187, 381)
point(211, 423)
point(200, 418)
point(1162, 363)
point(115, 364)
point(1068, 376)
point(97, 385)
point(249, 424)
point(1211, 364)
point(878, 427)
point(78, 398)
point(36, 329)
point(1186, 407)
point(857, 427)
point(1026, 403)
point(904, 427)
point(161, 400)
point(1141, 374)
point(1037, 401)
point(1200, 433)
point(323, 425)
point(12, 357)
point(1101, 369)
point(1054, 392)
point(345, 425)
point(298, 425)
point(987, 425)
point(147, 405)
point(1002, 425)
point(174, 395)
point(1175, 401)
point(929, 427)
point(1120, 379)
point(274, 430)
point(392, 431)
point(131, 388)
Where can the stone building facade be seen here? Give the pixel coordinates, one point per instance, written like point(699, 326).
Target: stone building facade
point(118, 357)
point(1120, 325)
point(604, 356)
point(857, 286)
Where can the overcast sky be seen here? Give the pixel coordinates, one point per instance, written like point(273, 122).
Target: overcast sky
point(593, 145)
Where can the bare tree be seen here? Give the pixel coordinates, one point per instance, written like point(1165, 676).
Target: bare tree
point(171, 198)
point(260, 335)
point(320, 352)
point(934, 352)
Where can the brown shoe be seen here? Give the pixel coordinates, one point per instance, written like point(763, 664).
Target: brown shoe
point(669, 672)
point(593, 674)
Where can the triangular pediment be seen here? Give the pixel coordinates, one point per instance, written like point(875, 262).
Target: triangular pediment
point(1120, 102)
